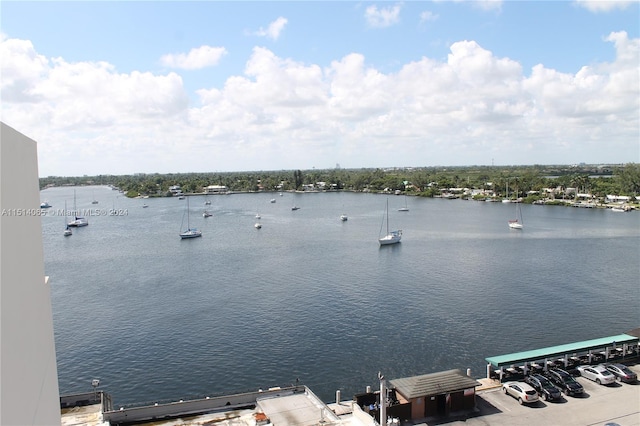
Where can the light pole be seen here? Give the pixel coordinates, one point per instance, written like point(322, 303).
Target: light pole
point(95, 383)
point(383, 401)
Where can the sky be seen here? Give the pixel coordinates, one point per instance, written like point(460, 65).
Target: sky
point(121, 87)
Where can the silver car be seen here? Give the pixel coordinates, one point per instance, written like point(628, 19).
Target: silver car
point(522, 391)
point(597, 373)
point(622, 372)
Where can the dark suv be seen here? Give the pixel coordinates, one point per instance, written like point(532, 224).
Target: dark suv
point(544, 387)
point(565, 382)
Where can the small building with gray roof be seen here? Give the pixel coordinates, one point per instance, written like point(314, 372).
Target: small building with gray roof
point(436, 394)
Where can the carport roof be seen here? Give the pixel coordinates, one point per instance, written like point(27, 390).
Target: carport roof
point(560, 350)
point(433, 384)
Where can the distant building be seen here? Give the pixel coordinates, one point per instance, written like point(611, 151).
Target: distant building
point(618, 199)
point(216, 189)
point(175, 190)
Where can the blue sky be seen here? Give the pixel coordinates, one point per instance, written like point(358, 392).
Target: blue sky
point(125, 87)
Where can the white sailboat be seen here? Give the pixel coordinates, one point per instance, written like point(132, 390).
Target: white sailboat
point(405, 208)
point(78, 221)
point(517, 223)
point(506, 198)
point(189, 232)
point(392, 237)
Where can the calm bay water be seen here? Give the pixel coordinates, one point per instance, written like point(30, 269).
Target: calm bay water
point(309, 297)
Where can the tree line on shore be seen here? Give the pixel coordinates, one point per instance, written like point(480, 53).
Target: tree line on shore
point(599, 181)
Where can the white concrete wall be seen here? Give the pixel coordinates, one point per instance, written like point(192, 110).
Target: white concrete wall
point(28, 374)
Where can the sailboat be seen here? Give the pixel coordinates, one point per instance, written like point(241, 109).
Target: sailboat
point(517, 222)
point(507, 199)
point(78, 221)
point(94, 198)
point(207, 202)
point(189, 232)
point(67, 230)
point(405, 208)
point(392, 237)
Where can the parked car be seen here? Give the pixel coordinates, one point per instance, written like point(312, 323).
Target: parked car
point(565, 382)
point(622, 372)
point(544, 387)
point(524, 393)
point(597, 373)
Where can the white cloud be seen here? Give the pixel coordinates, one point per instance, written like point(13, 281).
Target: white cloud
point(604, 5)
point(274, 29)
point(383, 17)
point(428, 16)
point(488, 4)
point(22, 67)
point(197, 58)
point(479, 4)
point(283, 114)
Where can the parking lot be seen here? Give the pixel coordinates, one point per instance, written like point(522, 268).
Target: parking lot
point(616, 404)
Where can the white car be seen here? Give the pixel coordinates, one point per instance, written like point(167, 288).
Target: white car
point(597, 373)
point(523, 392)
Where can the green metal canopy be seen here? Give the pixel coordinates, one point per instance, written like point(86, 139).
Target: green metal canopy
point(560, 350)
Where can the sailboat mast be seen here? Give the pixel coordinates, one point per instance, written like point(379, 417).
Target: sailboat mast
point(387, 216)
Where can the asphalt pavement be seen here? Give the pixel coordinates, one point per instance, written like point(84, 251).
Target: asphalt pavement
point(601, 405)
